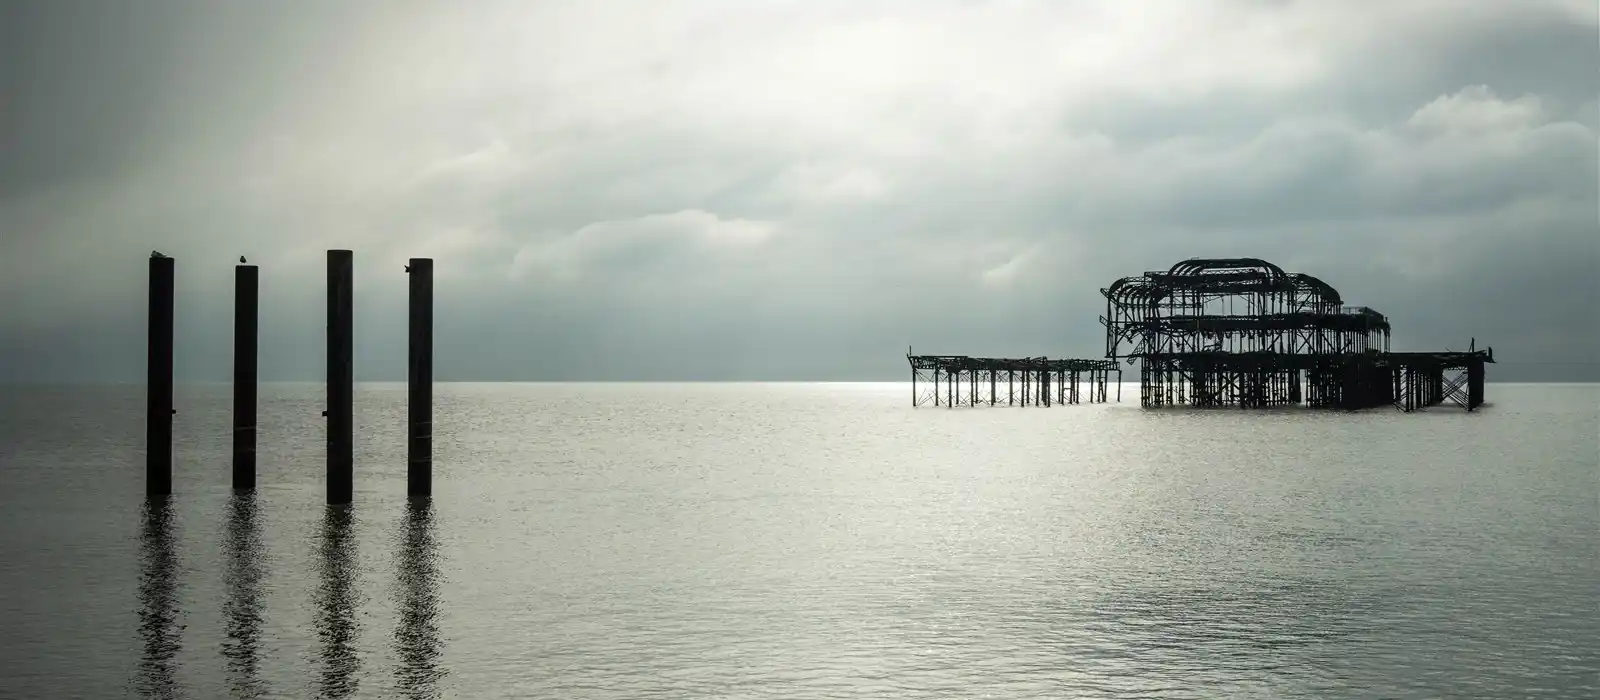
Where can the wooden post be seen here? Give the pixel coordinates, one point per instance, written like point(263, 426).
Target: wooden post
point(158, 381)
point(341, 380)
point(419, 444)
point(246, 289)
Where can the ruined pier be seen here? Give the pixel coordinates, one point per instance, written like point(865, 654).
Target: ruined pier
point(1223, 332)
point(1243, 332)
point(959, 380)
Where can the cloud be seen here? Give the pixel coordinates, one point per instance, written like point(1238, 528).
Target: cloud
point(632, 247)
point(786, 189)
point(1476, 109)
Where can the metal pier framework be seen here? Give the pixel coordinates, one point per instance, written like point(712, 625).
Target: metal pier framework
point(958, 380)
point(1242, 332)
point(1237, 332)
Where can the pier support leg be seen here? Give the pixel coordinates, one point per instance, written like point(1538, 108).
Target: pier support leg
point(246, 290)
point(1475, 376)
point(158, 380)
point(341, 380)
point(419, 442)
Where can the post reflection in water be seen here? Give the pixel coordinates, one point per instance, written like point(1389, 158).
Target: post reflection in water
point(416, 638)
point(243, 611)
point(336, 623)
point(158, 600)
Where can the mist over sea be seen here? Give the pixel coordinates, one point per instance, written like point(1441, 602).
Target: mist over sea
point(796, 540)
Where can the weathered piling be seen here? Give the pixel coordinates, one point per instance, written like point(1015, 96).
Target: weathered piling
point(419, 377)
point(341, 379)
point(913, 381)
point(1475, 383)
point(158, 387)
point(246, 289)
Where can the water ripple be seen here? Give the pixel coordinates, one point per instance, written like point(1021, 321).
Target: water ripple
point(803, 541)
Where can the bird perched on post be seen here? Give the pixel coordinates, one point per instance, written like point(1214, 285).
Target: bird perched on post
point(241, 259)
point(156, 254)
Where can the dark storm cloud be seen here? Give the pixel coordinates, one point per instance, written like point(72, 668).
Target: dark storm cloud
point(710, 190)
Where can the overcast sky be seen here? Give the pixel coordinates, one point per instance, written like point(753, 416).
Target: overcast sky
point(782, 189)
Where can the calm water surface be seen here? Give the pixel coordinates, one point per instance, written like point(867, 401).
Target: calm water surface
point(805, 541)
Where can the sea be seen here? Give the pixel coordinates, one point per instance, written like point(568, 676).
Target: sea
point(803, 540)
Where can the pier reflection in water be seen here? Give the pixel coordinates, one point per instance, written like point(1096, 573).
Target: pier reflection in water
point(336, 625)
point(243, 611)
point(416, 637)
point(336, 663)
point(159, 628)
